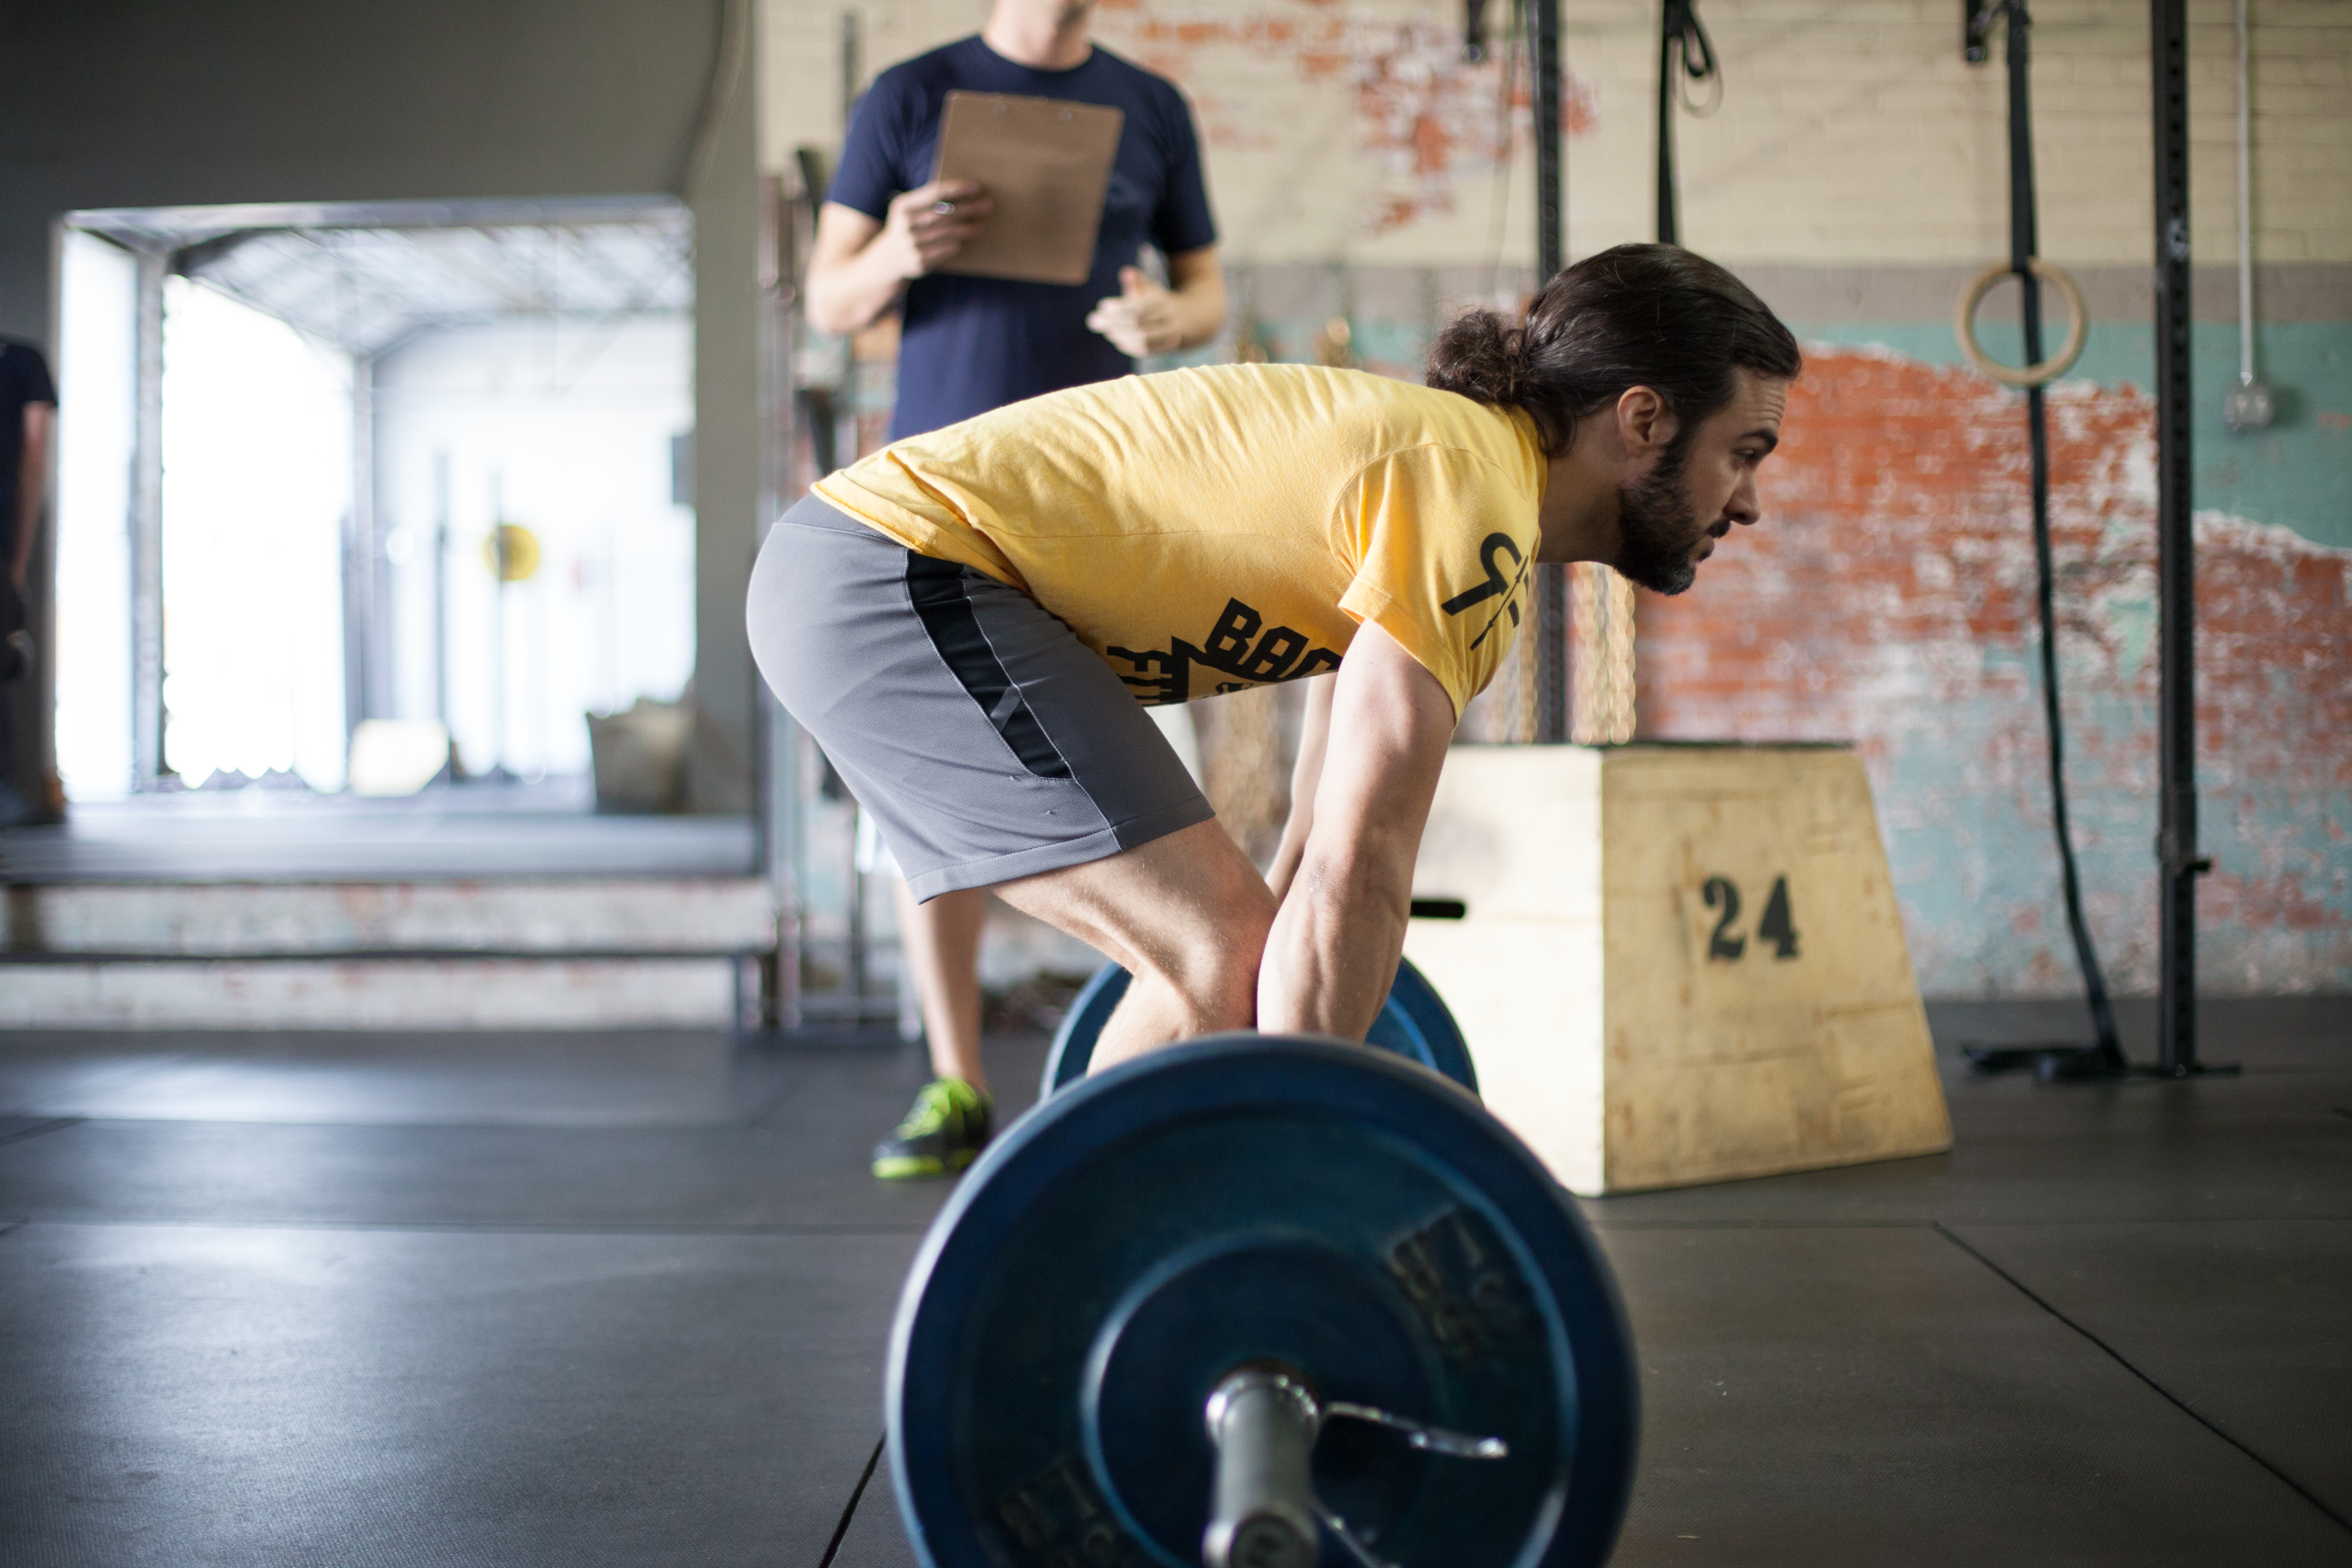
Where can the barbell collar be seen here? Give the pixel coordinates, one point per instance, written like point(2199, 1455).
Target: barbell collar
point(1263, 1512)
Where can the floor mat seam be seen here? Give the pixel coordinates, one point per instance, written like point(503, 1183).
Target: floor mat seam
point(2022, 1289)
point(841, 1531)
point(53, 1124)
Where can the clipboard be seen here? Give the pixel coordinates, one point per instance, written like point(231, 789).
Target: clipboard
point(1045, 164)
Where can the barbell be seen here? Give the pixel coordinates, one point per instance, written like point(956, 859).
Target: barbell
point(1414, 1023)
point(1260, 1301)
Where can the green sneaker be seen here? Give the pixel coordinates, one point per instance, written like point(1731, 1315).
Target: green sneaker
point(943, 1133)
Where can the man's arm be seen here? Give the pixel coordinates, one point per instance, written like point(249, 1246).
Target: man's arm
point(1149, 319)
point(860, 266)
point(1333, 951)
point(1314, 731)
point(32, 486)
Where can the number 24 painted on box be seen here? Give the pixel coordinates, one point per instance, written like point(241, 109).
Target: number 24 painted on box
point(1778, 927)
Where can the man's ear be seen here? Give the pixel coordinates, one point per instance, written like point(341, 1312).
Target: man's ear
point(1644, 421)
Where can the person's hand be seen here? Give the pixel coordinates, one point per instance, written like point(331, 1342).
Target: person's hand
point(1142, 319)
point(927, 225)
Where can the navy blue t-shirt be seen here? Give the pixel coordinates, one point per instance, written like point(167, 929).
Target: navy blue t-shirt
point(971, 344)
point(24, 378)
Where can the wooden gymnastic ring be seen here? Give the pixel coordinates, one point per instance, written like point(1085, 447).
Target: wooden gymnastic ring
point(2078, 326)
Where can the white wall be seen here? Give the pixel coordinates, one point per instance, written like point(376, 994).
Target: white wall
point(96, 395)
point(567, 427)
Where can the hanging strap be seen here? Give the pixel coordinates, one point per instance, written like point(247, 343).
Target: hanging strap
point(1679, 30)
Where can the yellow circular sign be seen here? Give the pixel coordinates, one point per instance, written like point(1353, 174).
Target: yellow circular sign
point(512, 551)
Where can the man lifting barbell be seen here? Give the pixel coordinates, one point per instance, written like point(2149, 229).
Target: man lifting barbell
point(970, 621)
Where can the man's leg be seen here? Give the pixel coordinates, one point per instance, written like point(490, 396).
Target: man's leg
point(940, 942)
point(1186, 914)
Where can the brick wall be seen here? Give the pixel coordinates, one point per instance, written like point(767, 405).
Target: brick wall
point(1889, 600)
point(1855, 171)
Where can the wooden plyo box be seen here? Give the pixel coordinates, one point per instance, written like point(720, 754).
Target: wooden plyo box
point(1677, 963)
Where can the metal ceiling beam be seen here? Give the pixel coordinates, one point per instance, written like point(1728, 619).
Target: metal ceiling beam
point(188, 224)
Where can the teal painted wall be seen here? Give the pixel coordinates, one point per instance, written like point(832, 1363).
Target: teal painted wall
point(2296, 474)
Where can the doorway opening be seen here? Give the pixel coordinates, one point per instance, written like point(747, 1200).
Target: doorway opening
point(373, 506)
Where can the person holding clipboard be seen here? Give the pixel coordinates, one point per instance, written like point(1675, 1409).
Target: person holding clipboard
point(889, 238)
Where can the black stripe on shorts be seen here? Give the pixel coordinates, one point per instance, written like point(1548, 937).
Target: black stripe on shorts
point(938, 590)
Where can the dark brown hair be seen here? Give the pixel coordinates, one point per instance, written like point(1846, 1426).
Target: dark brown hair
point(1634, 315)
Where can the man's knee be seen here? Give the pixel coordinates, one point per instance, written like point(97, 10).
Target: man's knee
point(1211, 955)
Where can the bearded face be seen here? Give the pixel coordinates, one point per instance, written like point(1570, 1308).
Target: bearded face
point(1659, 534)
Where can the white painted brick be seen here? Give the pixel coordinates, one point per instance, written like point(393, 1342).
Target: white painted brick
point(1849, 131)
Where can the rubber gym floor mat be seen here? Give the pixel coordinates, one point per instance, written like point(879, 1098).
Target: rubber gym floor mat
point(2263, 1144)
point(2278, 1031)
point(265, 1396)
point(803, 1164)
point(1823, 1397)
point(43, 1068)
point(520, 1078)
point(2247, 1323)
point(471, 1177)
point(12, 1128)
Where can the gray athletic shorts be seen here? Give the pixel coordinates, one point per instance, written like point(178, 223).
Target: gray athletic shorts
point(984, 738)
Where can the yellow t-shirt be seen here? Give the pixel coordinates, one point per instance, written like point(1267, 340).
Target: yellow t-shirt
point(1209, 530)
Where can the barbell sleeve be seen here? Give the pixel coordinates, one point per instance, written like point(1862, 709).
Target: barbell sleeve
point(1263, 1511)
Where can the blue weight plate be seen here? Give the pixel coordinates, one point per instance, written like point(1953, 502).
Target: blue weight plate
point(1074, 1042)
point(1414, 1023)
point(1417, 1000)
point(1249, 1197)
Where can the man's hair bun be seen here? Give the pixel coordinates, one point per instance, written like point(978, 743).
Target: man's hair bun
point(1635, 315)
point(1477, 355)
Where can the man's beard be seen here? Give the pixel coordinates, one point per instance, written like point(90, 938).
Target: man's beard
point(1657, 527)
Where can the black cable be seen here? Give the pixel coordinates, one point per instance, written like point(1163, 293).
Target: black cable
point(2024, 242)
point(2087, 954)
point(2107, 1056)
point(1679, 29)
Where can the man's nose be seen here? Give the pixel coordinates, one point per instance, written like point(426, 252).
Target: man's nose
point(1746, 503)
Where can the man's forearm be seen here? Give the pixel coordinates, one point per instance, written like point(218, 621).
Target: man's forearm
point(851, 295)
point(1306, 778)
point(1332, 954)
point(1200, 310)
point(32, 497)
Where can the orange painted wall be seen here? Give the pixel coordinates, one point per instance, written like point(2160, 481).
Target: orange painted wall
point(1888, 598)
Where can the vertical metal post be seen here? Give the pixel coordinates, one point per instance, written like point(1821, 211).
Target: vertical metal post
point(441, 588)
point(498, 659)
point(777, 775)
point(146, 525)
point(853, 68)
point(1545, 21)
point(361, 581)
point(1550, 627)
point(779, 979)
point(2179, 862)
point(1668, 227)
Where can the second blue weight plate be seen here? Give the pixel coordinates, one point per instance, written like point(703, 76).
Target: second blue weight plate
point(1414, 1023)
